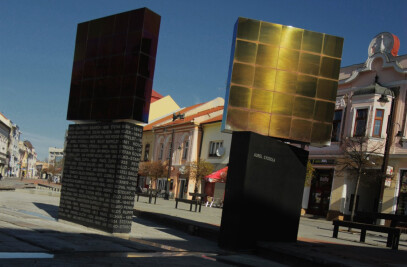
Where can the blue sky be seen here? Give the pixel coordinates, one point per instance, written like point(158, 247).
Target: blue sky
point(37, 45)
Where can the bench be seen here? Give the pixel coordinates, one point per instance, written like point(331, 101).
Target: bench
point(371, 217)
point(150, 194)
point(189, 201)
point(393, 234)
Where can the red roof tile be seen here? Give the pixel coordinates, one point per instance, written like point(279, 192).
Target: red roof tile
point(192, 117)
point(150, 126)
point(155, 96)
point(214, 119)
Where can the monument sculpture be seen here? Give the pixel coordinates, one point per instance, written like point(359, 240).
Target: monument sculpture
point(110, 92)
point(281, 88)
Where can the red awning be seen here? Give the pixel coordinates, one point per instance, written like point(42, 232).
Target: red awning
point(218, 176)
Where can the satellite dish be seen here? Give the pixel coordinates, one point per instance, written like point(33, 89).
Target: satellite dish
point(220, 151)
point(182, 170)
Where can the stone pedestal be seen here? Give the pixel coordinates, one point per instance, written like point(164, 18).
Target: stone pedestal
point(100, 175)
point(263, 192)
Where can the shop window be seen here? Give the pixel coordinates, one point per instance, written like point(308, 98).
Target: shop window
point(378, 122)
point(360, 122)
point(146, 152)
point(213, 147)
point(185, 151)
point(336, 125)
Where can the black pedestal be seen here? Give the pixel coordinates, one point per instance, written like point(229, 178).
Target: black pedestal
point(100, 174)
point(264, 191)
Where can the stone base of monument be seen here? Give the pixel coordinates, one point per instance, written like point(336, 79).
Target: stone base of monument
point(100, 176)
point(264, 191)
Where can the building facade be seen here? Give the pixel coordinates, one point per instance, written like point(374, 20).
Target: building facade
point(215, 150)
point(178, 136)
point(371, 102)
point(5, 129)
point(28, 159)
point(55, 155)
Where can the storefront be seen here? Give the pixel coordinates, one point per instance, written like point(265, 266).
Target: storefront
point(320, 192)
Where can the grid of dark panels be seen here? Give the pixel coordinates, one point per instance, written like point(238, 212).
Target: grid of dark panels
point(113, 67)
point(283, 82)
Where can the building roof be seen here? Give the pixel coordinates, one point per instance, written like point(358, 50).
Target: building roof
point(167, 118)
point(155, 96)
point(214, 119)
point(192, 117)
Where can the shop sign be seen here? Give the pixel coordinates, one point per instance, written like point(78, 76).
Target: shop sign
point(389, 171)
point(324, 179)
point(387, 182)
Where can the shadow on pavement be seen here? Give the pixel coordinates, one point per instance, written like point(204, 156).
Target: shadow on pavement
point(52, 210)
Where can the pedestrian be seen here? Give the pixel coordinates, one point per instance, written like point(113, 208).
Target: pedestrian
point(1, 176)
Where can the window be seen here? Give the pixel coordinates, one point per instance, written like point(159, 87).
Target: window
point(185, 152)
point(146, 152)
point(360, 122)
point(213, 147)
point(161, 151)
point(378, 122)
point(336, 126)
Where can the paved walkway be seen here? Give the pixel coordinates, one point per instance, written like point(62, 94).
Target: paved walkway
point(28, 225)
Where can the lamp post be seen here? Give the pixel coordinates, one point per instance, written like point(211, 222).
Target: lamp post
point(389, 139)
point(167, 185)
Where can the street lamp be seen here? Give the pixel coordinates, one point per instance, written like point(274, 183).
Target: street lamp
point(167, 186)
point(389, 138)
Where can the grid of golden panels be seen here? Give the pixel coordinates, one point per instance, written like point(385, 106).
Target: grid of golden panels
point(282, 82)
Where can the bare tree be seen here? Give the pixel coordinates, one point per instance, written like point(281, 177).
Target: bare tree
point(198, 170)
point(359, 155)
point(152, 169)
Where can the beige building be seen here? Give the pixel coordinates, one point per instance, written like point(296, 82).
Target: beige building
point(371, 101)
point(5, 129)
point(185, 135)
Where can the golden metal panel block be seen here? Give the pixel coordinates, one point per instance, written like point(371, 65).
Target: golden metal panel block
point(286, 82)
point(282, 104)
point(291, 37)
point(240, 96)
point(306, 85)
point(259, 122)
point(243, 74)
point(321, 134)
point(309, 63)
point(333, 46)
point(267, 55)
point(279, 126)
point(288, 59)
point(326, 89)
point(301, 130)
point(330, 67)
point(261, 100)
point(283, 82)
point(324, 111)
point(237, 119)
point(248, 29)
point(246, 51)
point(270, 33)
point(264, 78)
point(312, 41)
point(303, 107)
